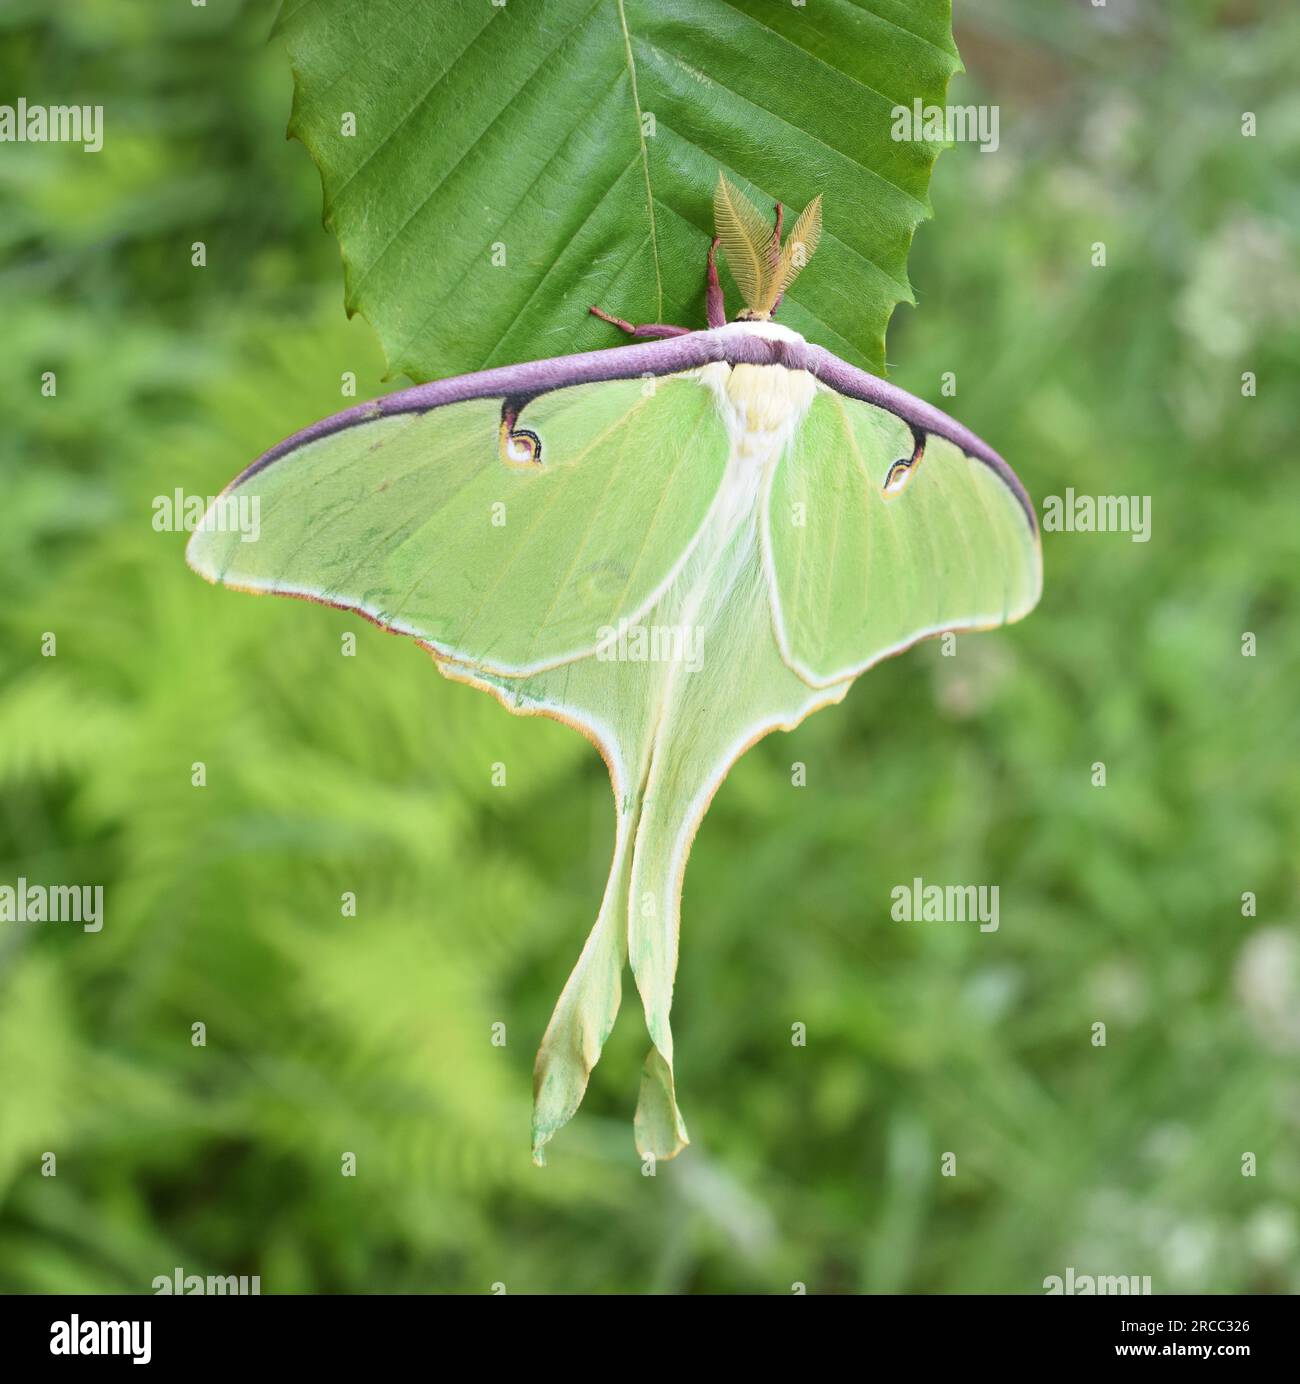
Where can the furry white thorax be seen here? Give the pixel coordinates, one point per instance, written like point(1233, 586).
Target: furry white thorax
point(762, 406)
point(769, 331)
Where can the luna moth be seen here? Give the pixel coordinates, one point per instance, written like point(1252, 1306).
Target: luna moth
point(676, 547)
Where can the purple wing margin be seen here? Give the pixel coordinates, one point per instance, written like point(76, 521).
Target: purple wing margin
point(519, 383)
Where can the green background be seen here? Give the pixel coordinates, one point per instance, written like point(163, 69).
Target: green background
point(818, 1164)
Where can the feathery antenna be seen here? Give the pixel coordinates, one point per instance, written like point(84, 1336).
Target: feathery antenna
point(762, 266)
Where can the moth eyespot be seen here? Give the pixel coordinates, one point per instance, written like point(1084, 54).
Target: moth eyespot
point(897, 478)
point(520, 446)
point(902, 471)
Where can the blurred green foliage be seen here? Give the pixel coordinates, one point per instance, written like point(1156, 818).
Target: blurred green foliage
point(325, 1034)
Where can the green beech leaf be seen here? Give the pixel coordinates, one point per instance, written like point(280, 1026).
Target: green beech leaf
point(493, 170)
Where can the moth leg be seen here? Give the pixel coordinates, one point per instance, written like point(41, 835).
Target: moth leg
point(714, 303)
point(646, 329)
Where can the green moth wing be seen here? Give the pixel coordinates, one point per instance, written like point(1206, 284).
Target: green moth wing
point(878, 533)
point(669, 727)
point(677, 548)
point(510, 546)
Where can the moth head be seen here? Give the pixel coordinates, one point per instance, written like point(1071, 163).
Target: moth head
point(762, 265)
